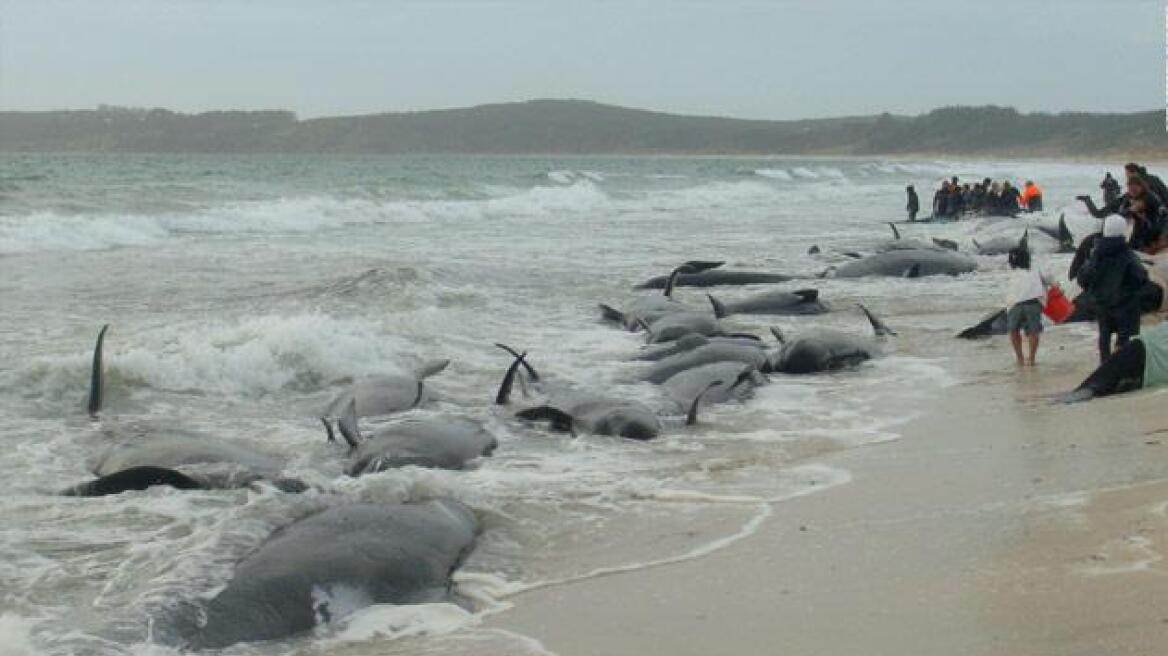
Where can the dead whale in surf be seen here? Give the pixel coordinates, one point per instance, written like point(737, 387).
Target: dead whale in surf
point(656, 352)
point(385, 395)
point(1060, 234)
point(155, 453)
point(898, 243)
point(717, 278)
point(435, 442)
point(569, 410)
point(644, 310)
point(907, 264)
point(827, 350)
point(333, 563)
point(713, 383)
point(752, 354)
point(1002, 245)
point(798, 302)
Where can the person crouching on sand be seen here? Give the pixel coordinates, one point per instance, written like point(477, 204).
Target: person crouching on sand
point(1115, 277)
point(1024, 302)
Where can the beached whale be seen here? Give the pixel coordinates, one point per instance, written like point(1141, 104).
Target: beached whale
point(899, 243)
point(716, 278)
point(713, 383)
point(656, 352)
point(752, 354)
point(907, 264)
point(384, 395)
point(1002, 245)
point(151, 454)
point(1060, 234)
point(437, 442)
point(645, 310)
point(679, 324)
point(1141, 363)
point(801, 301)
point(571, 410)
point(827, 350)
point(333, 563)
point(993, 323)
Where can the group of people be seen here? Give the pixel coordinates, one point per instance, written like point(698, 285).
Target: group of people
point(1106, 266)
point(954, 199)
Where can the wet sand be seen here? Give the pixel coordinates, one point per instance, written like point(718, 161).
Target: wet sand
point(998, 524)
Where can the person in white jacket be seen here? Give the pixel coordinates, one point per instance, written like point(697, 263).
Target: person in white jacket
point(1024, 301)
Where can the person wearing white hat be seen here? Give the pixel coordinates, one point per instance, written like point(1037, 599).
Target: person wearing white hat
point(1115, 277)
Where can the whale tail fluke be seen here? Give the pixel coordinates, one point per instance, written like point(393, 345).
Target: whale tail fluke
point(508, 384)
point(97, 376)
point(878, 326)
point(691, 417)
point(560, 420)
point(720, 311)
point(531, 373)
point(348, 425)
point(134, 478)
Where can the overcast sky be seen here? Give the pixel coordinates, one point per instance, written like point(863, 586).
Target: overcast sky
point(779, 60)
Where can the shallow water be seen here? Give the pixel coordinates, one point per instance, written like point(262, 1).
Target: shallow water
point(244, 291)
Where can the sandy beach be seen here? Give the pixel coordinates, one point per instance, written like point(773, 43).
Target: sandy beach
point(998, 524)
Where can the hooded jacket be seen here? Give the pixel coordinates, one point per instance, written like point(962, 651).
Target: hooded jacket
point(1114, 276)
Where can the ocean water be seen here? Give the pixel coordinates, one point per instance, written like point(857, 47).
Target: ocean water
point(243, 292)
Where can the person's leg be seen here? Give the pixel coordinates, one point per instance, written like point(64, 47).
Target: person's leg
point(1104, 336)
point(1016, 342)
point(1126, 327)
point(1032, 342)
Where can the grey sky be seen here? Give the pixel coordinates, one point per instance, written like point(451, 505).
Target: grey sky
point(748, 59)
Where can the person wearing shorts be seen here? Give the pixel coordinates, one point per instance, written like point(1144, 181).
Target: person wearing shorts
point(1024, 300)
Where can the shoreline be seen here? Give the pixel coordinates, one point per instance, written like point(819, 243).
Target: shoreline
point(997, 524)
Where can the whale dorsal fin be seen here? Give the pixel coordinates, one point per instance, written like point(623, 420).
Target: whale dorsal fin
point(778, 333)
point(719, 308)
point(97, 375)
point(895, 232)
point(348, 425)
point(879, 327)
point(328, 429)
point(1024, 242)
point(1066, 239)
point(691, 417)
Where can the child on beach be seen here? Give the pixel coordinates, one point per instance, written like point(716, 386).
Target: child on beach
point(1115, 278)
point(1024, 301)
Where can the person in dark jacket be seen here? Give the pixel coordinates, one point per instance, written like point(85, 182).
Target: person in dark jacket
point(914, 203)
point(1111, 190)
point(1115, 277)
point(1009, 200)
point(941, 200)
point(1153, 183)
point(1139, 206)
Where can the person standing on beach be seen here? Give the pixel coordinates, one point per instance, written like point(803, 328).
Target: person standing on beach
point(1115, 277)
point(914, 203)
point(1024, 302)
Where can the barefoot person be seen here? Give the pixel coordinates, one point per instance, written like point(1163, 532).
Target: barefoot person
point(1024, 300)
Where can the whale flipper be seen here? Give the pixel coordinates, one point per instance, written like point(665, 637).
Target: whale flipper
point(878, 326)
point(97, 375)
point(134, 478)
point(691, 417)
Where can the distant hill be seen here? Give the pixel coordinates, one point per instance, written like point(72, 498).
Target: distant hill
point(582, 127)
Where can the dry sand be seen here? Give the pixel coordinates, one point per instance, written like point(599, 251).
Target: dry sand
point(999, 524)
